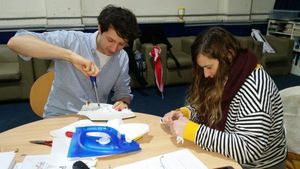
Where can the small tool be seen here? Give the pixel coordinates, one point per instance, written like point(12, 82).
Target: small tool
point(93, 80)
point(42, 142)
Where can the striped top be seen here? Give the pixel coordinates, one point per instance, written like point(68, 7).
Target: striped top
point(254, 135)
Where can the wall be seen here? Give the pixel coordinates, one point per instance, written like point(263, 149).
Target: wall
point(41, 15)
point(18, 13)
point(14, 13)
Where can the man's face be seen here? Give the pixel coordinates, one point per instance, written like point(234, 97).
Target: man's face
point(110, 42)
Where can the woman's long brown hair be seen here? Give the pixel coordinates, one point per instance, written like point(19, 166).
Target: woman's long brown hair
point(205, 94)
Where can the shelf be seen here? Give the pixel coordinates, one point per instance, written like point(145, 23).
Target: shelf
point(280, 33)
point(296, 50)
point(284, 28)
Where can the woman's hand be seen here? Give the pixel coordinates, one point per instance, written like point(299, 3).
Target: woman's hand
point(177, 128)
point(176, 123)
point(171, 116)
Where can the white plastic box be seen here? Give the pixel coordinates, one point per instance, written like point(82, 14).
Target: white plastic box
point(296, 65)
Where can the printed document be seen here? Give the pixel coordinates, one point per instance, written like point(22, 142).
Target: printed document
point(181, 159)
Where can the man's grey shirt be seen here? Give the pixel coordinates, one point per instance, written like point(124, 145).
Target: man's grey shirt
point(70, 88)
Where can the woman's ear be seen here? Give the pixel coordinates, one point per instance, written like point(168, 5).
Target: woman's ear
point(230, 55)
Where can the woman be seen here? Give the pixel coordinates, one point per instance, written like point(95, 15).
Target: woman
point(234, 107)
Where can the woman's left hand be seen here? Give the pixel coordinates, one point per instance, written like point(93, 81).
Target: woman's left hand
point(177, 128)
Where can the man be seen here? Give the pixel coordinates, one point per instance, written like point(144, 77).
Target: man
point(78, 55)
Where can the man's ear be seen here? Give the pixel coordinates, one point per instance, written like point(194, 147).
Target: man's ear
point(99, 29)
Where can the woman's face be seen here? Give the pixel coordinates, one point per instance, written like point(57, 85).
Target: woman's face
point(209, 66)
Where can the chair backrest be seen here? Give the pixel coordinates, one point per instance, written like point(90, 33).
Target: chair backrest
point(291, 100)
point(6, 55)
point(39, 93)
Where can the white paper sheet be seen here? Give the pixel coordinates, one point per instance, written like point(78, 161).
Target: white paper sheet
point(58, 157)
point(7, 159)
point(35, 162)
point(104, 112)
point(181, 159)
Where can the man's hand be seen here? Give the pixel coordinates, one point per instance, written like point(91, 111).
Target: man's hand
point(120, 105)
point(87, 67)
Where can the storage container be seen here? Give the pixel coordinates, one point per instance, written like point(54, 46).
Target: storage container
point(285, 14)
point(296, 65)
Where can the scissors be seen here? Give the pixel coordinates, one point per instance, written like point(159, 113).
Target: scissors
point(42, 142)
point(49, 142)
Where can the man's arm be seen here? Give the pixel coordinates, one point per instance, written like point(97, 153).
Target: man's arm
point(28, 45)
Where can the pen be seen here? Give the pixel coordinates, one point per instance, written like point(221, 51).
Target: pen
point(93, 80)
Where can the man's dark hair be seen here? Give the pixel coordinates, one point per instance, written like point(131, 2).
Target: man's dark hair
point(121, 19)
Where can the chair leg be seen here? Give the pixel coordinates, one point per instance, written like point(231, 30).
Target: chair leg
point(293, 161)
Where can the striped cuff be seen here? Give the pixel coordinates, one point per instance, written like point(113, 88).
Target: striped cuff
point(190, 131)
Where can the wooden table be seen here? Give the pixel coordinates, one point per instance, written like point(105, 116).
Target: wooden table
point(156, 142)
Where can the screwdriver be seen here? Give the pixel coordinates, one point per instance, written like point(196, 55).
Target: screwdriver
point(93, 80)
